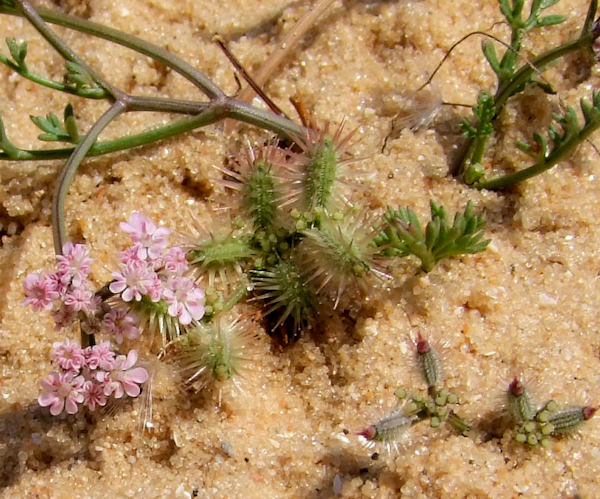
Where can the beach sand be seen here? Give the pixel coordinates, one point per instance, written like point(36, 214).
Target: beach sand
point(525, 307)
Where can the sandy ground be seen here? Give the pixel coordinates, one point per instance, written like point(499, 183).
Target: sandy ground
point(526, 307)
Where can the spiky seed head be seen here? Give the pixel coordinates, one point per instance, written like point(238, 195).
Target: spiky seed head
point(520, 403)
point(221, 256)
point(429, 362)
point(311, 174)
point(569, 419)
point(286, 294)
point(338, 254)
point(212, 354)
point(389, 430)
point(253, 178)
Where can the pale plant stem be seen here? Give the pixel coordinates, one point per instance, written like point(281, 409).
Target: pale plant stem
point(285, 47)
point(68, 171)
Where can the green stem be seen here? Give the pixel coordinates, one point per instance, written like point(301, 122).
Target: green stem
point(146, 48)
point(553, 159)
point(67, 172)
point(537, 64)
point(88, 93)
point(61, 47)
point(475, 147)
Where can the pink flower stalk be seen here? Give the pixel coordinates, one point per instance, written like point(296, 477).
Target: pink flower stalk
point(152, 240)
point(186, 301)
point(121, 323)
point(124, 378)
point(134, 280)
point(74, 264)
point(100, 356)
point(61, 391)
point(39, 291)
point(68, 355)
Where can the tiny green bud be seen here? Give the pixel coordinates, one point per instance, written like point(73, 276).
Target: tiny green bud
point(442, 412)
point(545, 443)
point(457, 423)
point(552, 406)
point(401, 393)
point(521, 438)
point(473, 173)
point(547, 429)
point(295, 214)
point(337, 216)
point(543, 416)
point(529, 427)
point(418, 398)
point(435, 422)
point(452, 399)
point(441, 401)
point(431, 408)
point(532, 439)
point(301, 225)
point(411, 408)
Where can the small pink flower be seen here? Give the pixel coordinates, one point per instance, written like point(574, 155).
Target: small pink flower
point(58, 284)
point(142, 230)
point(61, 391)
point(64, 316)
point(39, 291)
point(185, 300)
point(80, 299)
point(124, 378)
point(93, 395)
point(155, 289)
point(100, 356)
point(121, 323)
point(74, 263)
point(134, 280)
point(175, 261)
point(129, 254)
point(68, 355)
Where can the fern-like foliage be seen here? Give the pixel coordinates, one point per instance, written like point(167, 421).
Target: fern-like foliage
point(56, 131)
point(18, 52)
point(569, 135)
point(512, 10)
point(403, 234)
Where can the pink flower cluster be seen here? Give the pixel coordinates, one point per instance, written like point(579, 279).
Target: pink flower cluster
point(69, 284)
point(88, 377)
point(72, 289)
point(149, 269)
